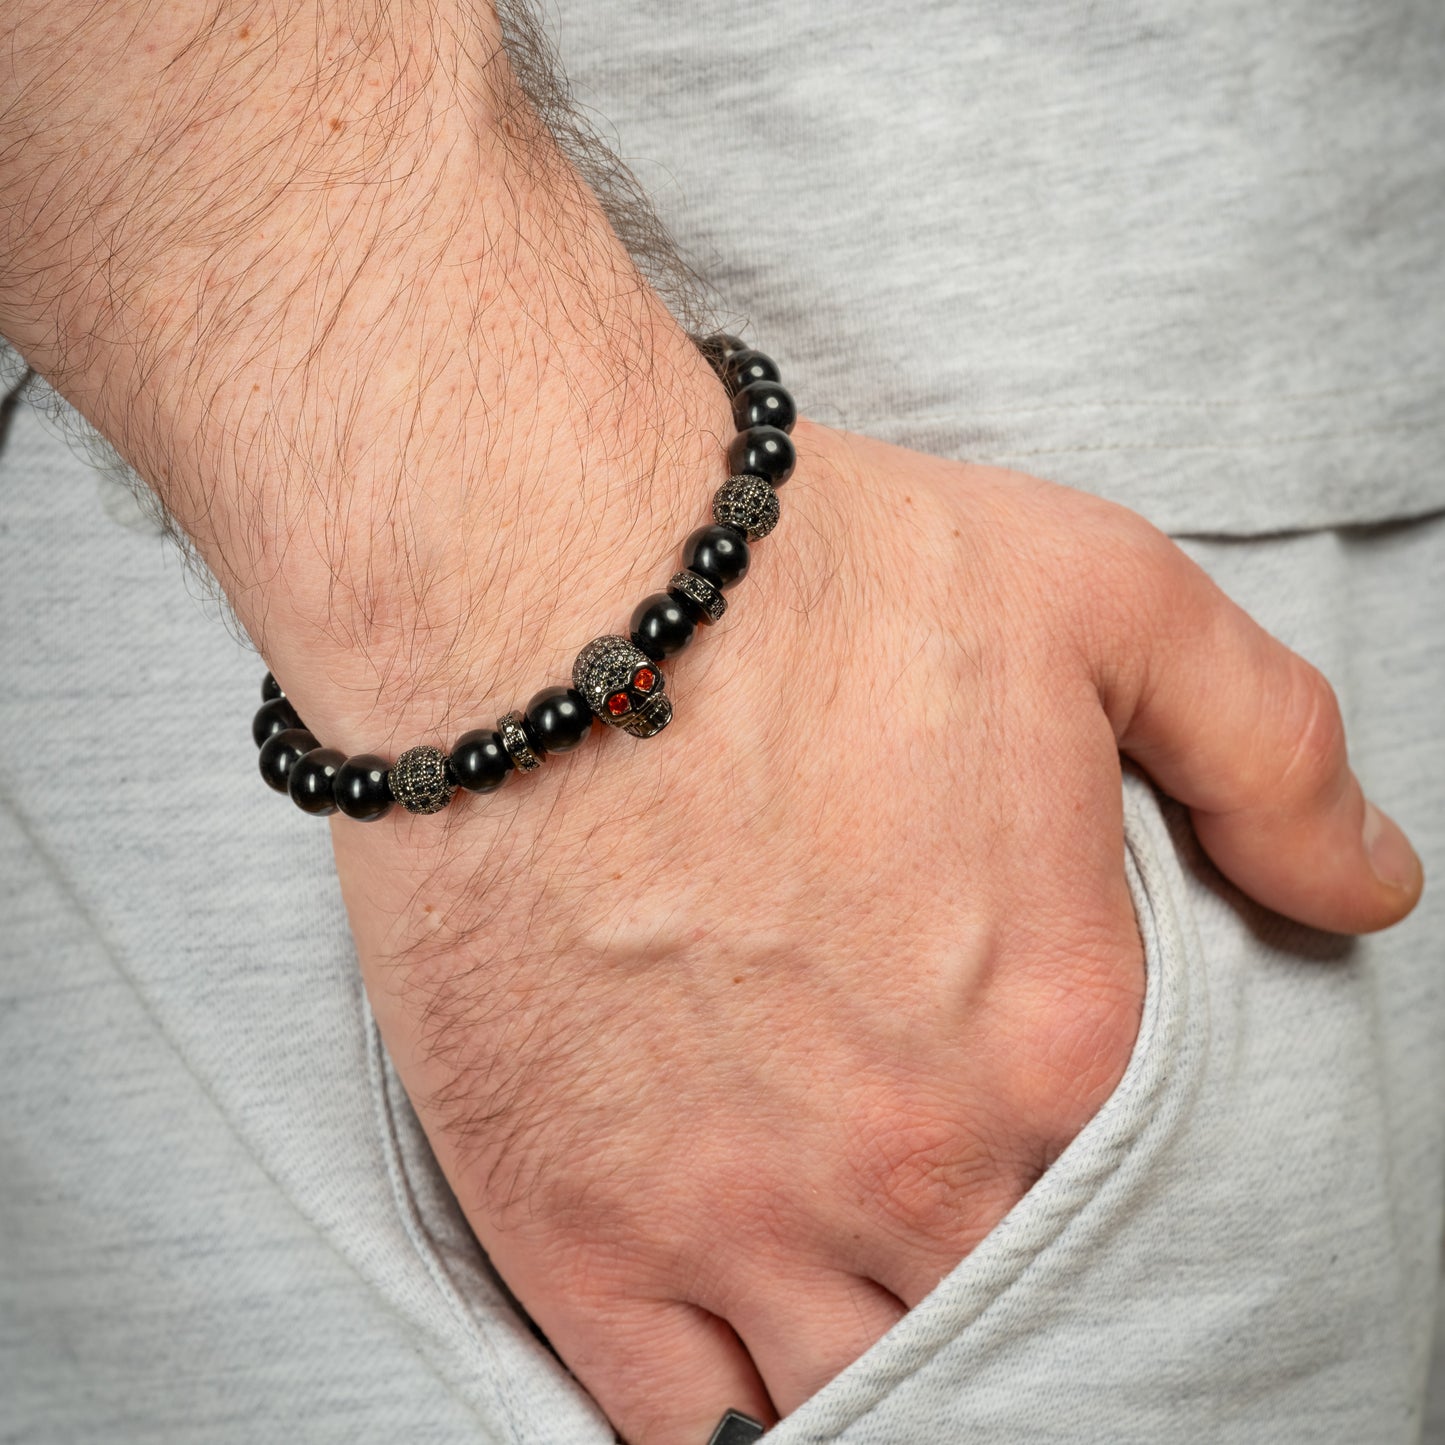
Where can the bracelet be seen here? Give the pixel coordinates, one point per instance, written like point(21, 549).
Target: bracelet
point(614, 679)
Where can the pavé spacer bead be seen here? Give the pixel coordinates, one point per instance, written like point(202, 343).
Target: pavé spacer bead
point(517, 743)
point(747, 503)
point(420, 782)
point(614, 678)
point(707, 602)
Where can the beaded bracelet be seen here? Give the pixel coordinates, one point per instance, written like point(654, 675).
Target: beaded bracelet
point(614, 679)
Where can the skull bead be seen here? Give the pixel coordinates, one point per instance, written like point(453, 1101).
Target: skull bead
point(623, 686)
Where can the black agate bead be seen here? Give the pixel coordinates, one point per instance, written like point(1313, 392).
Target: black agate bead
point(557, 719)
point(310, 780)
point(270, 688)
point(661, 626)
point(719, 349)
point(361, 788)
point(272, 717)
point(480, 762)
point(763, 451)
point(718, 553)
point(745, 367)
point(280, 753)
point(764, 403)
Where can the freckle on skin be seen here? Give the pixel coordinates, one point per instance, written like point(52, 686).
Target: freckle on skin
point(738, 979)
point(335, 124)
point(244, 33)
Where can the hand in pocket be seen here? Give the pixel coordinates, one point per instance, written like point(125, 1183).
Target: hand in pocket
point(734, 1043)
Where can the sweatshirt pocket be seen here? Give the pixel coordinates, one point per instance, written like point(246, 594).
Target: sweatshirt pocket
point(1031, 1273)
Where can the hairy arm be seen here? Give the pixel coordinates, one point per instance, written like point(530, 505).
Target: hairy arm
point(326, 282)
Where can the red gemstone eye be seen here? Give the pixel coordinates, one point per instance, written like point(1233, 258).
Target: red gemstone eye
point(644, 679)
point(618, 704)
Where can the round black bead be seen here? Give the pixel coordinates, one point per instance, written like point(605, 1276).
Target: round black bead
point(745, 367)
point(763, 451)
point(310, 781)
point(279, 754)
point(764, 403)
point(479, 762)
point(557, 719)
point(361, 789)
point(718, 553)
point(273, 717)
point(661, 626)
point(270, 688)
point(719, 349)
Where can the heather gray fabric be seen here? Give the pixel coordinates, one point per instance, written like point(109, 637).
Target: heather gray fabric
point(218, 1220)
point(1185, 255)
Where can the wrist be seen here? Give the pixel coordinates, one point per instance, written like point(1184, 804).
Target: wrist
point(375, 347)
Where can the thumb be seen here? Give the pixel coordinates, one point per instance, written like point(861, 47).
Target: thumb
point(1245, 732)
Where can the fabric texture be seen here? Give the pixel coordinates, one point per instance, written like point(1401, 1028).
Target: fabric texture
point(1189, 260)
point(1185, 256)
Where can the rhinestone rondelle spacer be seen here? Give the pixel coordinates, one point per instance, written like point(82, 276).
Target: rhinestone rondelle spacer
point(700, 591)
point(517, 744)
point(420, 781)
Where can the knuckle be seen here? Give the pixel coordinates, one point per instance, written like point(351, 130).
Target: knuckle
point(1312, 731)
point(928, 1175)
point(1120, 577)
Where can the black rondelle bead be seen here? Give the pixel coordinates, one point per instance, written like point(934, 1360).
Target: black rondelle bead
point(700, 596)
point(279, 754)
point(718, 553)
point(719, 349)
point(479, 762)
point(661, 626)
point(273, 717)
point(310, 781)
point(764, 403)
point(270, 688)
point(745, 367)
point(557, 719)
point(763, 451)
point(361, 789)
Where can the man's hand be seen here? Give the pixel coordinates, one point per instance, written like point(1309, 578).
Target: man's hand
point(732, 1042)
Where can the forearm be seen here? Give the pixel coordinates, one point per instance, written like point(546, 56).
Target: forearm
point(330, 288)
